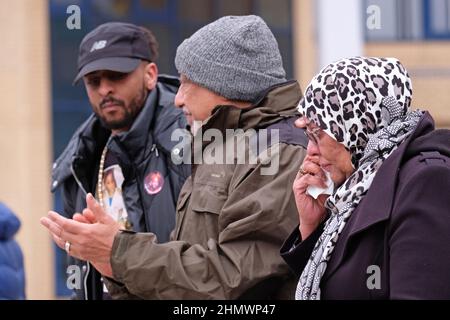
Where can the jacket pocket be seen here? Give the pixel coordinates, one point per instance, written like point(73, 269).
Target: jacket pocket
point(207, 203)
point(184, 196)
point(208, 198)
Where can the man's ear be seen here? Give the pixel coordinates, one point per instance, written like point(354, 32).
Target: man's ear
point(151, 75)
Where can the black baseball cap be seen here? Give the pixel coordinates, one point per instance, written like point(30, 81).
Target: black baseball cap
point(115, 46)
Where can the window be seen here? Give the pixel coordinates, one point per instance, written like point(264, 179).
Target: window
point(410, 20)
point(437, 19)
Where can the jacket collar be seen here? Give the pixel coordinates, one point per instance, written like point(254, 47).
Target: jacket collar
point(277, 102)
point(385, 182)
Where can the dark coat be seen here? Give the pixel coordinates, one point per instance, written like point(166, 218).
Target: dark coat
point(143, 149)
point(12, 276)
point(402, 227)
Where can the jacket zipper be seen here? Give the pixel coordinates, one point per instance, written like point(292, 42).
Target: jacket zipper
point(88, 267)
point(77, 180)
point(154, 148)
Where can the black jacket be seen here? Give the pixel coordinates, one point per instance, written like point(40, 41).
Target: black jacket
point(145, 148)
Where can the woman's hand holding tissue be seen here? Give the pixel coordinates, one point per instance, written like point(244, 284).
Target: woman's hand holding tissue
point(311, 187)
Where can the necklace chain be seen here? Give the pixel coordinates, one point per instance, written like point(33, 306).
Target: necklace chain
point(100, 177)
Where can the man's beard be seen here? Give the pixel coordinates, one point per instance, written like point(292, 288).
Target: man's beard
point(129, 114)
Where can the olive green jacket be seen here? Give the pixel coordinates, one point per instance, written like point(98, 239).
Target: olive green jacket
point(231, 220)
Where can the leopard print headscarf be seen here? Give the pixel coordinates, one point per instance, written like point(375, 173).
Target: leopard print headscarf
point(362, 103)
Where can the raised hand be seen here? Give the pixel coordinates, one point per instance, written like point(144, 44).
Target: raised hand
point(86, 241)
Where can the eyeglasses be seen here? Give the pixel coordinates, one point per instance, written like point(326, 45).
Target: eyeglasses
point(313, 135)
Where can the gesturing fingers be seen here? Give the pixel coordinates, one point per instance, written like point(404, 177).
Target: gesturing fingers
point(58, 232)
point(89, 215)
point(54, 228)
point(66, 229)
point(97, 211)
point(60, 237)
point(80, 218)
point(67, 225)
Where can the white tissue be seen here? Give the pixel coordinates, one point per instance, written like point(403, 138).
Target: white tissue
point(314, 191)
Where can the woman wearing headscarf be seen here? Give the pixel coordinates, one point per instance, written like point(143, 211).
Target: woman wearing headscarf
point(383, 229)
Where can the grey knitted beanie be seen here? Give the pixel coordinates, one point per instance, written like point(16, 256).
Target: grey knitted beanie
point(236, 57)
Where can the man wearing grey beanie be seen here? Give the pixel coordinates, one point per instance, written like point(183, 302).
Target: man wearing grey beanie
point(235, 57)
point(232, 218)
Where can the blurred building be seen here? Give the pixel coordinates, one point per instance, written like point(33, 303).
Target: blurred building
point(417, 32)
point(41, 108)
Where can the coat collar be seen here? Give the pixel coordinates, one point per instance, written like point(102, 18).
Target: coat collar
point(385, 182)
point(277, 102)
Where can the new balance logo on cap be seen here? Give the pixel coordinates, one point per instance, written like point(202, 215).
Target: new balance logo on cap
point(98, 45)
point(114, 46)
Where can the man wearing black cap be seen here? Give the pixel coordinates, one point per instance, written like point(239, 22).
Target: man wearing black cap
point(122, 153)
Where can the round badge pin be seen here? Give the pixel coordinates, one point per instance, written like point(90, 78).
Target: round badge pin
point(153, 182)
